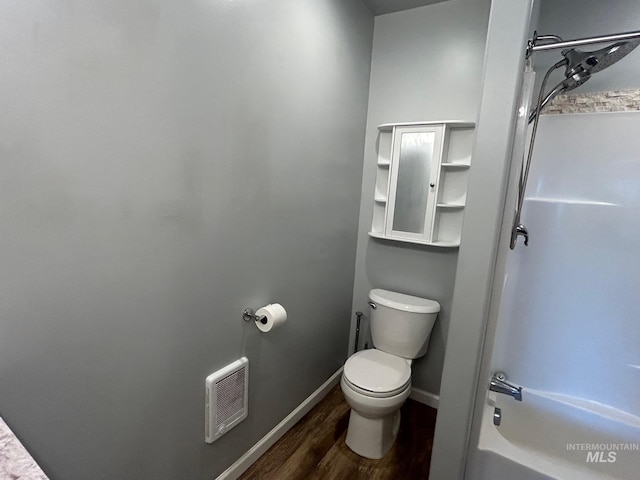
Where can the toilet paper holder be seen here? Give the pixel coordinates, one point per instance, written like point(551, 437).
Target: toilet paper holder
point(249, 314)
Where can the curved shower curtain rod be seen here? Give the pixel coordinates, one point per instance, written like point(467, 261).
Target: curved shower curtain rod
point(558, 42)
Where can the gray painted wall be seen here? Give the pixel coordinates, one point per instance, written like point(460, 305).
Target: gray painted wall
point(164, 165)
point(504, 62)
point(426, 65)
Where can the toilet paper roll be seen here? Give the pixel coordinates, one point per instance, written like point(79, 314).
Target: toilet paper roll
point(275, 315)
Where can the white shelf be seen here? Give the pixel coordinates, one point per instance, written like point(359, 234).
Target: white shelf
point(452, 123)
point(461, 166)
point(450, 205)
point(445, 181)
point(380, 236)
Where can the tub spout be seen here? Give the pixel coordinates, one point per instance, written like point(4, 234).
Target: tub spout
point(499, 384)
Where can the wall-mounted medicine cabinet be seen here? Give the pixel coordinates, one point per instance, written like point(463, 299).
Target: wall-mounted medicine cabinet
point(421, 182)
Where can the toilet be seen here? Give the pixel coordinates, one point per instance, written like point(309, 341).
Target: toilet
point(376, 382)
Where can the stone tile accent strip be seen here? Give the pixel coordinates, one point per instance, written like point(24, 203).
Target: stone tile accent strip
point(610, 101)
point(15, 461)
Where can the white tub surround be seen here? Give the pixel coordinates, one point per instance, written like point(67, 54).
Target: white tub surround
point(565, 326)
point(554, 436)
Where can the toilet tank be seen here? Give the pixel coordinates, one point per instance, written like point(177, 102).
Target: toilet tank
point(401, 324)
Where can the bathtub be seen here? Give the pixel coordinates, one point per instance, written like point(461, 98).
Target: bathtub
point(553, 436)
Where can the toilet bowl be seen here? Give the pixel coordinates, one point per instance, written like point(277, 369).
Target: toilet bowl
point(376, 382)
point(375, 385)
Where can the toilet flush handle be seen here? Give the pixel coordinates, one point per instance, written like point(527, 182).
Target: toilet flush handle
point(372, 305)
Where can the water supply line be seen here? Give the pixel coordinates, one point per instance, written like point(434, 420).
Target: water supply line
point(358, 317)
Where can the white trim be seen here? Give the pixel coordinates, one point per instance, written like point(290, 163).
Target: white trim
point(453, 123)
point(266, 442)
point(422, 396)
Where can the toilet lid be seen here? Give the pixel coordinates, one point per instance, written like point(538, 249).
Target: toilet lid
point(377, 371)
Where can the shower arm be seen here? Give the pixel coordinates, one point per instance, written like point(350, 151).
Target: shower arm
point(557, 42)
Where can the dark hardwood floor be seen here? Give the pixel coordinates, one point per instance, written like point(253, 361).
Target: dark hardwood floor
point(314, 448)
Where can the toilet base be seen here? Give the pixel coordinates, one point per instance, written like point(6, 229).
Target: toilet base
point(372, 437)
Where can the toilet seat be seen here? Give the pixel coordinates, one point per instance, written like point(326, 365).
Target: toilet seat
point(375, 373)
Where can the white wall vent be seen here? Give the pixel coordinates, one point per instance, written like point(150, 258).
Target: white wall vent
point(226, 399)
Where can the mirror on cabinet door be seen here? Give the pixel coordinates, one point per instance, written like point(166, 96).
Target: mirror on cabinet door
point(414, 164)
point(415, 199)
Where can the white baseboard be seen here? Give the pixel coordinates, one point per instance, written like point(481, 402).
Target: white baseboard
point(422, 396)
point(266, 442)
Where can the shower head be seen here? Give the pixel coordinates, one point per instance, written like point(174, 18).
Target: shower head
point(592, 62)
point(580, 65)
